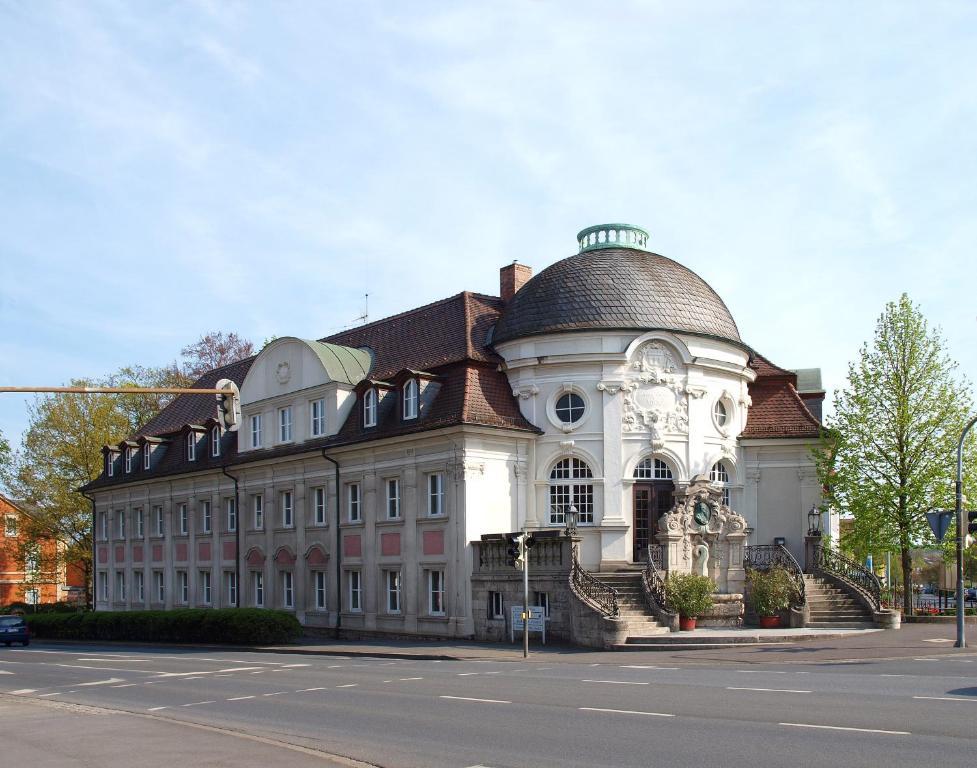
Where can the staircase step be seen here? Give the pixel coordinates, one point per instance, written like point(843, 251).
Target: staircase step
point(840, 624)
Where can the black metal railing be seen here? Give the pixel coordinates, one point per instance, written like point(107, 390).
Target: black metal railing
point(653, 580)
point(854, 574)
point(761, 557)
point(587, 587)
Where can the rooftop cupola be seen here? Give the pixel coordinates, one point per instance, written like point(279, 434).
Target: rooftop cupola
point(612, 236)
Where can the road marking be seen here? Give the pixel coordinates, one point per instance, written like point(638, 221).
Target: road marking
point(102, 682)
point(24, 690)
point(306, 690)
point(643, 666)
point(410, 678)
point(468, 674)
point(197, 703)
point(763, 672)
point(388, 681)
point(845, 728)
point(925, 659)
point(348, 685)
point(766, 690)
point(289, 666)
point(189, 674)
point(939, 640)
point(614, 682)
point(276, 693)
point(891, 675)
point(335, 666)
point(624, 712)
point(240, 698)
point(125, 685)
point(155, 709)
point(947, 698)
point(468, 698)
point(5, 672)
point(195, 677)
point(56, 693)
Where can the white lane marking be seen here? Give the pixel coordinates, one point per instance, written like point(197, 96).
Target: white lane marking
point(221, 675)
point(306, 690)
point(468, 674)
point(624, 712)
point(410, 678)
point(289, 666)
point(56, 693)
point(111, 669)
point(276, 693)
point(125, 685)
point(946, 698)
point(258, 673)
point(117, 658)
point(102, 682)
point(240, 698)
point(939, 640)
point(925, 659)
point(195, 677)
point(891, 675)
point(762, 672)
point(845, 728)
point(594, 665)
point(388, 681)
point(198, 703)
point(766, 690)
point(24, 690)
point(196, 672)
point(155, 709)
point(643, 666)
point(543, 669)
point(614, 682)
point(335, 666)
point(5, 672)
point(348, 685)
point(468, 698)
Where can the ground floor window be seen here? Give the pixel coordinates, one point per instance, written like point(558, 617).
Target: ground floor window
point(720, 476)
point(138, 586)
point(120, 585)
point(183, 585)
point(496, 605)
point(542, 599)
point(159, 586)
point(354, 600)
point(319, 581)
point(103, 585)
point(205, 587)
point(230, 587)
point(392, 583)
point(258, 589)
point(435, 592)
point(567, 491)
point(288, 595)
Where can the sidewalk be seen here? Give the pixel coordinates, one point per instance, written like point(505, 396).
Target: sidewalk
point(777, 646)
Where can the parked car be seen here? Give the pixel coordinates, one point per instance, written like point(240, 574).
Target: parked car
point(971, 593)
point(14, 629)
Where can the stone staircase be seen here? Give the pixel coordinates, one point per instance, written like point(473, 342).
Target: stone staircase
point(834, 608)
point(632, 604)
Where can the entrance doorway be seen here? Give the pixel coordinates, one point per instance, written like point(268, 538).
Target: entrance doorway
point(651, 501)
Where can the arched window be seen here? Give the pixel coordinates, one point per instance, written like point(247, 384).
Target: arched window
point(719, 475)
point(720, 412)
point(652, 469)
point(567, 489)
point(370, 408)
point(410, 399)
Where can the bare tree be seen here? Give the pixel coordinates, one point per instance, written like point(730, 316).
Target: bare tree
point(213, 350)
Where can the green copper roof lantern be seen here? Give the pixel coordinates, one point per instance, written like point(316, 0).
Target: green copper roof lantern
point(612, 236)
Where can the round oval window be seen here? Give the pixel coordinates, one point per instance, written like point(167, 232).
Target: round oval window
point(720, 413)
point(569, 408)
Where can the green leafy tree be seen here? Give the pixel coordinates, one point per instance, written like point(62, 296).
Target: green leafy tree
point(4, 461)
point(890, 453)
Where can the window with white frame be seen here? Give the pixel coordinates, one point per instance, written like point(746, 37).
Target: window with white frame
point(120, 523)
point(138, 586)
point(103, 526)
point(183, 586)
point(103, 585)
point(258, 589)
point(159, 586)
point(435, 494)
point(652, 469)
point(10, 526)
point(353, 503)
point(568, 487)
point(391, 580)
point(496, 606)
point(569, 408)
point(317, 417)
point(205, 517)
point(720, 413)
point(140, 523)
point(410, 399)
point(354, 602)
point(215, 441)
point(435, 592)
point(319, 587)
point(288, 593)
point(542, 599)
point(204, 577)
point(319, 505)
point(147, 453)
point(183, 516)
point(230, 513)
point(158, 520)
point(719, 475)
point(393, 498)
point(257, 505)
point(191, 446)
point(32, 561)
point(288, 519)
point(256, 431)
point(130, 452)
point(230, 587)
point(110, 464)
point(370, 408)
point(120, 585)
point(285, 424)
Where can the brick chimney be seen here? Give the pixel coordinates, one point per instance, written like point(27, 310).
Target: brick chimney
point(512, 278)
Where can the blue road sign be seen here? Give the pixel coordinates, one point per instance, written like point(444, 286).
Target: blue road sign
point(939, 520)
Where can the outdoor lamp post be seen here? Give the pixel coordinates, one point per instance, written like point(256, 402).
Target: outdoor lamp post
point(570, 517)
point(814, 521)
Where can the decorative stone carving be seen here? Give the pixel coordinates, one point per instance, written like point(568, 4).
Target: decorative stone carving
point(566, 447)
point(611, 387)
point(466, 469)
point(657, 399)
point(526, 391)
point(653, 356)
point(696, 391)
point(283, 373)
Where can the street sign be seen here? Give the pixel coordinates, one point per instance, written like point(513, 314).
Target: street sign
point(537, 622)
point(939, 520)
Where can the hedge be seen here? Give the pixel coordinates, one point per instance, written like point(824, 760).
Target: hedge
point(239, 626)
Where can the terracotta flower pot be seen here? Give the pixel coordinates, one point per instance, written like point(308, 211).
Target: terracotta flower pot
point(686, 623)
point(769, 622)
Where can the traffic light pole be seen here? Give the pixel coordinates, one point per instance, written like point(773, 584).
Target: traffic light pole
point(961, 639)
point(525, 595)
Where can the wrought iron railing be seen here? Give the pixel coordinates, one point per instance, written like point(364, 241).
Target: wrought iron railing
point(852, 573)
point(653, 580)
point(596, 592)
point(761, 557)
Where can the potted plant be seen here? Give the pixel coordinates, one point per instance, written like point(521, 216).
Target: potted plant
point(771, 592)
point(688, 595)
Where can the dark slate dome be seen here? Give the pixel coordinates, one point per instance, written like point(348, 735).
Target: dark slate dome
point(614, 283)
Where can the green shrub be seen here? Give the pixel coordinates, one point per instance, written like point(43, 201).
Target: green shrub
point(771, 591)
point(689, 594)
point(237, 626)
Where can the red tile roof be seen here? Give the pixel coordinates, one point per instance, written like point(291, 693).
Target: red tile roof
point(777, 410)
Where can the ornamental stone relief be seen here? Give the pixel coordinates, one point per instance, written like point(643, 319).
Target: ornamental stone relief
point(656, 399)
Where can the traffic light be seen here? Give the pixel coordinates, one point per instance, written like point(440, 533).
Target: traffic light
point(514, 550)
point(972, 523)
point(229, 405)
point(529, 542)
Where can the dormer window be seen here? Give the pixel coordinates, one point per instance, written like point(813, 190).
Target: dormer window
point(370, 408)
point(110, 464)
point(285, 424)
point(317, 411)
point(146, 455)
point(410, 399)
point(191, 446)
point(130, 452)
point(215, 441)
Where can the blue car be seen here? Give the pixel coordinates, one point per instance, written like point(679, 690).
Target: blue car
point(14, 629)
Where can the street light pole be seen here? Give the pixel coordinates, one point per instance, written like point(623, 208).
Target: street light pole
point(961, 639)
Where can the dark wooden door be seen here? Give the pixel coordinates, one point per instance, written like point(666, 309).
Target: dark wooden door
point(651, 501)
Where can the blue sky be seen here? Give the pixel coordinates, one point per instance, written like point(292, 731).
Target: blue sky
point(167, 169)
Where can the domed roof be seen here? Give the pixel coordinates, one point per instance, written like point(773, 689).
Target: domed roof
point(614, 287)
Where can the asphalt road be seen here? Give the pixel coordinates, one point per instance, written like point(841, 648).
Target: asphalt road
point(403, 712)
